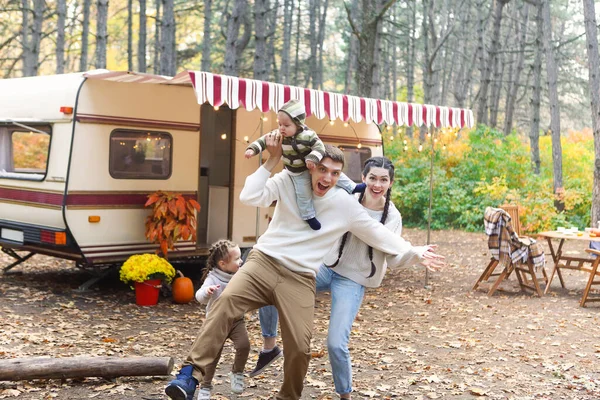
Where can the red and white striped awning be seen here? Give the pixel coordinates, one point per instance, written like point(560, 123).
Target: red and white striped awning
point(268, 96)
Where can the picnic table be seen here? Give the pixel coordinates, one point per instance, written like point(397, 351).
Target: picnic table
point(562, 261)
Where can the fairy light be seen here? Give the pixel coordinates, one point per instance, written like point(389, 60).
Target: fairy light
point(331, 122)
point(420, 148)
point(265, 118)
point(405, 141)
point(224, 136)
point(444, 146)
point(428, 134)
point(246, 139)
point(216, 108)
point(345, 124)
point(359, 145)
point(391, 137)
point(405, 148)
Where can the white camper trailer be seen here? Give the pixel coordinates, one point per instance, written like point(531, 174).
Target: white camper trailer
point(79, 153)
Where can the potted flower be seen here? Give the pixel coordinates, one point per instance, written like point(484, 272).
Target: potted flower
point(146, 272)
point(173, 218)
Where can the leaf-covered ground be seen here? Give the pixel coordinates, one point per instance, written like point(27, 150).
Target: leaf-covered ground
point(408, 342)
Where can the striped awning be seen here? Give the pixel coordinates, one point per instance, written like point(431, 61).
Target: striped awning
point(268, 96)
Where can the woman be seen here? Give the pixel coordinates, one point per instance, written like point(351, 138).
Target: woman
point(346, 273)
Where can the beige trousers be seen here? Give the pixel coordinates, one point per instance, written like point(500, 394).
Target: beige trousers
point(241, 343)
point(261, 282)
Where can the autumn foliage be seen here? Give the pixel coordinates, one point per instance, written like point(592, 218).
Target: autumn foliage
point(173, 218)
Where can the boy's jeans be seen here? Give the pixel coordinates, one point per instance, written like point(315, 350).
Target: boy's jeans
point(303, 188)
point(346, 298)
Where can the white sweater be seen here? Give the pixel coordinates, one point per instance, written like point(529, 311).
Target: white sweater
point(354, 263)
point(293, 243)
point(214, 277)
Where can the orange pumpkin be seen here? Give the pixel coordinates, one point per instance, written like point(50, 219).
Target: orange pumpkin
point(183, 289)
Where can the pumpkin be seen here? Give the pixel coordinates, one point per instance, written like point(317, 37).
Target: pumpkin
point(183, 289)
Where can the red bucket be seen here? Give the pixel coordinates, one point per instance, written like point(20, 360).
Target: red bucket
point(146, 293)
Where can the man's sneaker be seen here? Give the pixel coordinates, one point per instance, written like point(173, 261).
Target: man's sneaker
point(204, 394)
point(183, 386)
point(266, 359)
point(237, 382)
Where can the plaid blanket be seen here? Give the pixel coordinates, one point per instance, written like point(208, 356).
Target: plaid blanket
point(505, 245)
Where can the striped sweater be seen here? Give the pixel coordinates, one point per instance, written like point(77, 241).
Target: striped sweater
point(303, 145)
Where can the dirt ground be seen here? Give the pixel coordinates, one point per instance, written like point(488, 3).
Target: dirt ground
point(409, 341)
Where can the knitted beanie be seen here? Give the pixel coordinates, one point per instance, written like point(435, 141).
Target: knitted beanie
point(296, 112)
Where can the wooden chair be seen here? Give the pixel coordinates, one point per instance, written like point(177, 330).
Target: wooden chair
point(513, 210)
point(593, 271)
point(525, 272)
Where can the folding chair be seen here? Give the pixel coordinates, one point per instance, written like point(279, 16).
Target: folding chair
point(521, 255)
point(592, 280)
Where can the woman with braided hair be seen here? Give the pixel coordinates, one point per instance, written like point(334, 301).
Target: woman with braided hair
point(224, 260)
point(350, 267)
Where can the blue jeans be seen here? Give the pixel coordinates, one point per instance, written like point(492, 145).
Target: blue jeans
point(303, 189)
point(346, 298)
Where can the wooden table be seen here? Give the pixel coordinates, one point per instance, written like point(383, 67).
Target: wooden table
point(561, 261)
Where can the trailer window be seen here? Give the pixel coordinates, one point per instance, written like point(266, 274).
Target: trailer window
point(24, 152)
point(140, 154)
point(354, 160)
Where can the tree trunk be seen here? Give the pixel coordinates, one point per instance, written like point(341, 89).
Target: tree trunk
point(534, 133)
point(234, 43)
point(61, 15)
point(288, 12)
point(552, 75)
point(351, 54)
point(261, 8)
point(372, 14)
point(168, 55)
point(411, 60)
point(142, 38)
point(130, 35)
point(511, 97)
point(482, 106)
point(591, 32)
point(320, 40)
point(157, 29)
point(101, 33)
point(25, 39)
point(297, 55)
point(206, 40)
point(313, 40)
point(85, 33)
point(19, 369)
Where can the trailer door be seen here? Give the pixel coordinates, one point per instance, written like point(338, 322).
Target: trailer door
point(215, 182)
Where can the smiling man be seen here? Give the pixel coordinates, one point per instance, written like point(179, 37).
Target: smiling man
point(281, 268)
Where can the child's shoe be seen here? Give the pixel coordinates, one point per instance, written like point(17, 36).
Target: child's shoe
point(237, 382)
point(314, 224)
point(183, 386)
point(204, 394)
point(360, 188)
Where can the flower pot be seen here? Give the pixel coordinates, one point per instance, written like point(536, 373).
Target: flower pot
point(146, 293)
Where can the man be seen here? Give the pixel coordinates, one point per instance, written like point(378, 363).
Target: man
point(281, 268)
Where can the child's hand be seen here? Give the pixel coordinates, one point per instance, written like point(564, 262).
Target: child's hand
point(249, 153)
point(310, 164)
point(212, 289)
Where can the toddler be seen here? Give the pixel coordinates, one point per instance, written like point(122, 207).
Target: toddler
point(302, 151)
point(223, 262)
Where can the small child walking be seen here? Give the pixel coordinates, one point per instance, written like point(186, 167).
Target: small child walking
point(223, 261)
point(302, 151)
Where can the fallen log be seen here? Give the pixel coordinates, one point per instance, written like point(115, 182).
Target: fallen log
point(18, 369)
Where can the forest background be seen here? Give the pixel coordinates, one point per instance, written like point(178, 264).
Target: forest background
point(528, 68)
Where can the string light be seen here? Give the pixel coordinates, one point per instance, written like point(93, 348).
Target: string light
point(216, 108)
point(359, 145)
point(391, 137)
point(345, 124)
point(444, 146)
point(246, 139)
point(405, 148)
point(265, 118)
point(428, 134)
point(420, 148)
point(224, 136)
point(405, 141)
point(331, 122)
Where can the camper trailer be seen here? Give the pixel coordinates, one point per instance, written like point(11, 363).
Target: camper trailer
point(79, 153)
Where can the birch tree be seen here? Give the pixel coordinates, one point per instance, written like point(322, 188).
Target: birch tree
point(352, 54)
point(591, 35)
point(101, 33)
point(157, 31)
point(534, 131)
point(130, 35)
point(288, 11)
point(261, 34)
